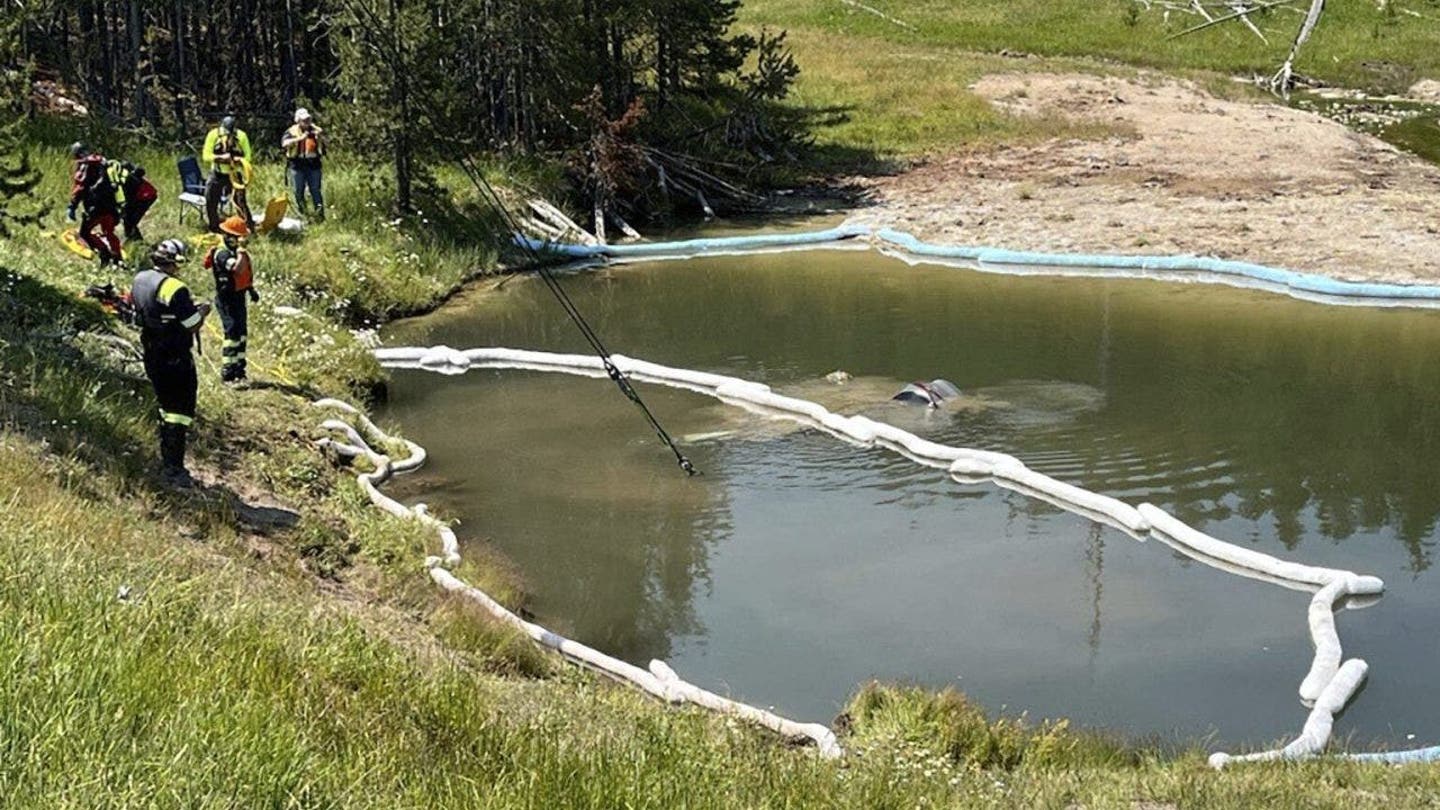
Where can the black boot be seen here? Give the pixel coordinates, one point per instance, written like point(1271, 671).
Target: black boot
point(172, 456)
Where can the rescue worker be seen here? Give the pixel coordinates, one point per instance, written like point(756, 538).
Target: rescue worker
point(234, 281)
point(138, 195)
point(304, 145)
point(169, 319)
point(95, 188)
point(227, 150)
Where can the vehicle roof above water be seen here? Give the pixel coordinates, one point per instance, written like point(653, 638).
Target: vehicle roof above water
point(932, 393)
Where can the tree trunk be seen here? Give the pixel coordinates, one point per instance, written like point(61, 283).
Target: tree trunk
point(137, 104)
point(292, 81)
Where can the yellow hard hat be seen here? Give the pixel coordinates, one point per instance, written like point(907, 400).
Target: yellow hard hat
point(235, 226)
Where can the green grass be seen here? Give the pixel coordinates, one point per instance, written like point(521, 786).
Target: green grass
point(883, 92)
point(878, 104)
point(313, 664)
point(1357, 43)
point(219, 682)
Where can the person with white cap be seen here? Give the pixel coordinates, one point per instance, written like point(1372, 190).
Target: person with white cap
point(304, 145)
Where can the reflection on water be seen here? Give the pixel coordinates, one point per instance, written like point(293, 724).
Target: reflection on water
point(798, 566)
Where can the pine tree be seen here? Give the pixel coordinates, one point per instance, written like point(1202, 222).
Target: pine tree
point(392, 57)
point(18, 178)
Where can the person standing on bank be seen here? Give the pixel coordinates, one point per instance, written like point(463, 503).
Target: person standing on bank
point(94, 186)
point(234, 281)
point(169, 319)
point(139, 194)
point(304, 146)
point(227, 150)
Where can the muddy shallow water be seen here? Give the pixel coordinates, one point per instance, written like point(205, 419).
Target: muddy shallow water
point(797, 566)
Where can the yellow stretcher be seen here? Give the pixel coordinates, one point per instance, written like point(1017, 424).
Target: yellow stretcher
point(72, 242)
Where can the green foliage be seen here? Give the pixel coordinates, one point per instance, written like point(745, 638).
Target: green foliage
point(427, 82)
point(762, 125)
point(775, 69)
point(1341, 51)
point(493, 646)
point(950, 725)
point(18, 178)
point(391, 72)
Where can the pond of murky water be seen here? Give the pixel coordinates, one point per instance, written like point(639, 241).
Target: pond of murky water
point(797, 567)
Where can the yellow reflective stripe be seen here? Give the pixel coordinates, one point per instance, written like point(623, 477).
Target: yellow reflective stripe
point(232, 343)
point(192, 321)
point(168, 288)
point(176, 418)
point(117, 181)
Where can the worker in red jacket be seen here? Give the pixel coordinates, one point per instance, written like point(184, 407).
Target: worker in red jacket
point(96, 188)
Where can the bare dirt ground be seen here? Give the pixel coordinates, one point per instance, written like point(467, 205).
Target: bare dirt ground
point(1191, 173)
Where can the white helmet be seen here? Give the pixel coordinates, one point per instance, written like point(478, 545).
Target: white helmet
point(171, 251)
point(302, 114)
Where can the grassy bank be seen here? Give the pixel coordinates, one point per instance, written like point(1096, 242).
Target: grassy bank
point(896, 88)
point(272, 640)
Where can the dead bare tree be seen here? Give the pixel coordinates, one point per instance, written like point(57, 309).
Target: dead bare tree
point(1241, 11)
point(1281, 81)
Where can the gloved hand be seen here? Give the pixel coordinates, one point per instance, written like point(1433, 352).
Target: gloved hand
point(230, 264)
point(254, 296)
point(70, 213)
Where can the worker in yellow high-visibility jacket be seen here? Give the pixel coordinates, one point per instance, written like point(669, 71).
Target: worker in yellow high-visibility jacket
point(227, 150)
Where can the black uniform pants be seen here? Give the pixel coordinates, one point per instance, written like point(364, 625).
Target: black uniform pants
point(216, 188)
point(235, 320)
point(173, 376)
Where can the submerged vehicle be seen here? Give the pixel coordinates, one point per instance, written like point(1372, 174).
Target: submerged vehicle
point(931, 394)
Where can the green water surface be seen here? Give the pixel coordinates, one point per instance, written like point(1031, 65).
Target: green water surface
point(797, 567)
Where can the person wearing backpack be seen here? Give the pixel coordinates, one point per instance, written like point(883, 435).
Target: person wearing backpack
point(94, 188)
point(137, 192)
point(234, 283)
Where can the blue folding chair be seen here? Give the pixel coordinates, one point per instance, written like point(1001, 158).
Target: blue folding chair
point(192, 187)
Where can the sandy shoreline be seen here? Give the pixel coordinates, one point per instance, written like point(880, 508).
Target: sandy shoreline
point(1192, 173)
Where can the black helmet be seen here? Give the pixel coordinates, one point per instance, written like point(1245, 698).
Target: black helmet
point(79, 150)
point(227, 124)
